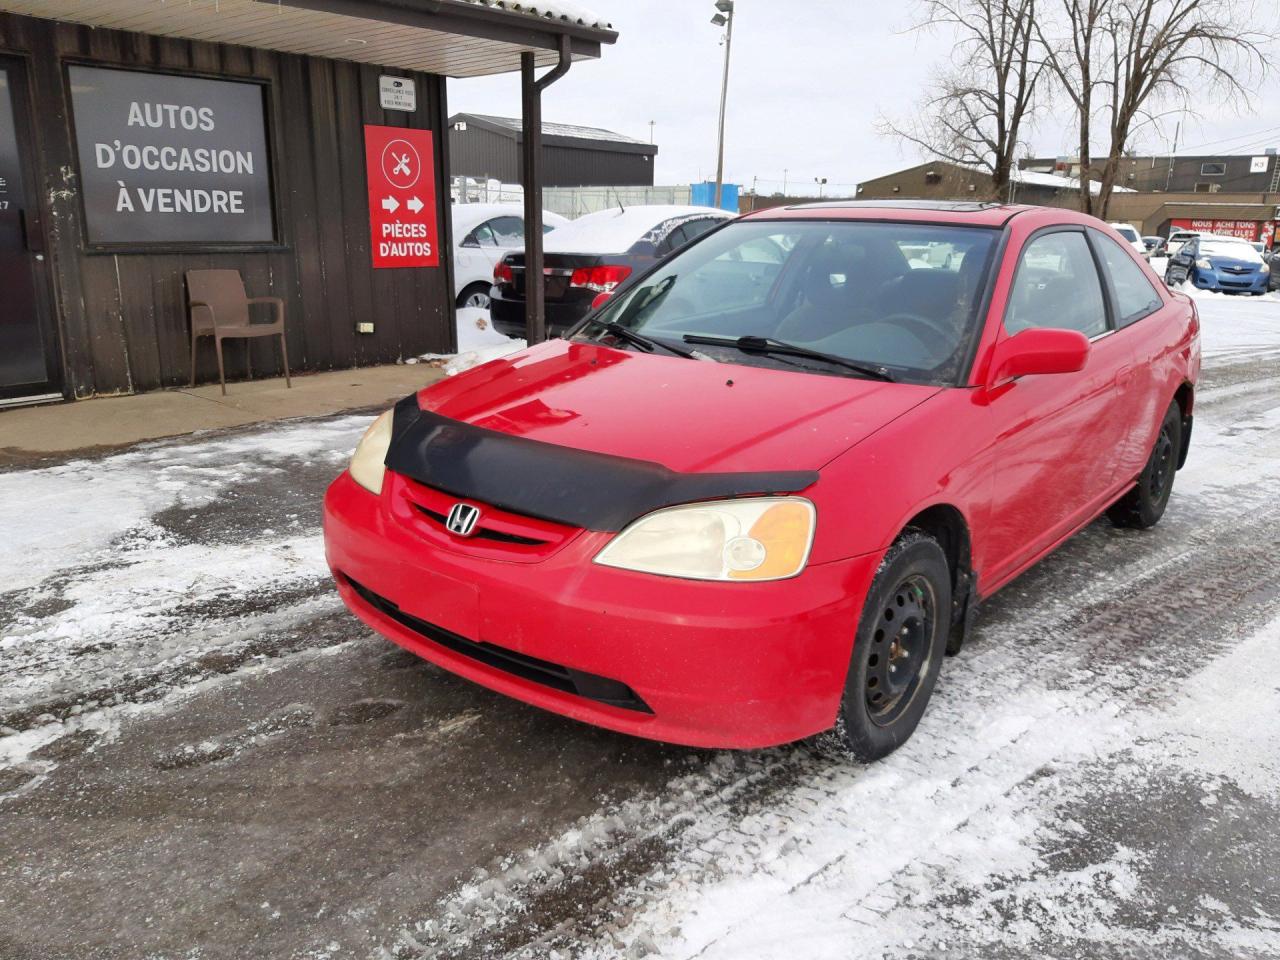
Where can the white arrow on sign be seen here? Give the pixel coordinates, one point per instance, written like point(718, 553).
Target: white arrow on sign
point(415, 204)
point(390, 204)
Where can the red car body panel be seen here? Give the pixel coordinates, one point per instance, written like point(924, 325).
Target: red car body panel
point(1025, 464)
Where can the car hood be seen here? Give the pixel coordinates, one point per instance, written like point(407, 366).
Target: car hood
point(688, 415)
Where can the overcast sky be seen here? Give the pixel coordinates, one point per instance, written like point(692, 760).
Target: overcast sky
point(807, 81)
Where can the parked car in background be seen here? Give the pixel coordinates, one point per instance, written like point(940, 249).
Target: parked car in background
point(737, 523)
point(1132, 237)
point(482, 233)
point(593, 255)
point(1177, 239)
point(1154, 245)
point(1211, 262)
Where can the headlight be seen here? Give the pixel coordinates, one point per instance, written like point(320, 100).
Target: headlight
point(762, 538)
point(1204, 264)
point(1265, 268)
point(367, 467)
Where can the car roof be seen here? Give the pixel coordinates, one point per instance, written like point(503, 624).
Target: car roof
point(958, 212)
point(468, 216)
point(617, 229)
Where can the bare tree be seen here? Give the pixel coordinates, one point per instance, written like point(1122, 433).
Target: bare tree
point(1073, 61)
point(1120, 61)
point(1169, 50)
point(985, 97)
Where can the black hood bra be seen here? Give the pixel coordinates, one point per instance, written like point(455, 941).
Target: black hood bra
point(551, 482)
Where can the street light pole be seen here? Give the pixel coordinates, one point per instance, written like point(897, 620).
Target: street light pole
point(821, 182)
point(723, 19)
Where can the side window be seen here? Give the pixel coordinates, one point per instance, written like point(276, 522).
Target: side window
point(696, 228)
point(482, 236)
point(507, 231)
point(1057, 285)
point(672, 241)
point(1135, 296)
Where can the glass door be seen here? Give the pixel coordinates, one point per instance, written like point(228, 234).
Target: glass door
point(28, 361)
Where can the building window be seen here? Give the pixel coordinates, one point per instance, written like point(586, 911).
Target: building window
point(1208, 187)
point(1214, 169)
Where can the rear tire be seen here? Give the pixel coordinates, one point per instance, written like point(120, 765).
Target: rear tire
point(897, 651)
point(1144, 505)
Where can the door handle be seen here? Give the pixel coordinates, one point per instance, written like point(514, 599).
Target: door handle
point(32, 235)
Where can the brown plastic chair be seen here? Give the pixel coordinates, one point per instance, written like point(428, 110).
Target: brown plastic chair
point(220, 309)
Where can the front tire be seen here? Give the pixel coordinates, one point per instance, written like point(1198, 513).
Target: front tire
point(1144, 505)
point(897, 652)
point(475, 295)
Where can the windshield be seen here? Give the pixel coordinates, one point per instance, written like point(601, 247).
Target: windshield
point(897, 297)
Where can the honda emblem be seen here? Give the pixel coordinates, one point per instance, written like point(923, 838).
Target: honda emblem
point(462, 519)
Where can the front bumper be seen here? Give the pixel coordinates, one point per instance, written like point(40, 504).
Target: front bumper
point(1229, 282)
point(696, 663)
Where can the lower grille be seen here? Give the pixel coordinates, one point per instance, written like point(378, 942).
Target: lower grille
point(587, 685)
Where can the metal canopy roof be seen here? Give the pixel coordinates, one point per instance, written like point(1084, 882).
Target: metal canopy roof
point(454, 38)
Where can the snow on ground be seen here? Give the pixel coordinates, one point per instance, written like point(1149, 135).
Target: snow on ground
point(1071, 760)
point(478, 343)
point(1097, 775)
point(120, 569)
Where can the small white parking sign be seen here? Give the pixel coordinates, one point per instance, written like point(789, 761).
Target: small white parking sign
point(397, 93)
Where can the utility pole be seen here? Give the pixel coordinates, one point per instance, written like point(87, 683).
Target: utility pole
point(724, 18)
point(784, 181)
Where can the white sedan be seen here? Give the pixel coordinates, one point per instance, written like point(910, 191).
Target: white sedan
point(482, 233)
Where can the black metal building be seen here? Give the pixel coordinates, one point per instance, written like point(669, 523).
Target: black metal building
point(140, 140)
point(482, 146)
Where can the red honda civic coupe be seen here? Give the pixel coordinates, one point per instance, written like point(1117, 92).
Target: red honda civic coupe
point(761, 491)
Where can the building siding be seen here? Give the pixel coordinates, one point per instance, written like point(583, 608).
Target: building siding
point(121, 318)
point(479, 153)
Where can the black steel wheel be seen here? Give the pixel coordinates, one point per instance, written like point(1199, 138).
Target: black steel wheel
point(900, 651)
point(897, 651)
point(1145, 503)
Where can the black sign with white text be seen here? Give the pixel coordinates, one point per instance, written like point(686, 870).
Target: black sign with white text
point(171, 159)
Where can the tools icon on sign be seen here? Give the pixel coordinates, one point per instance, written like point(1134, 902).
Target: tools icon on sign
point(401, 164)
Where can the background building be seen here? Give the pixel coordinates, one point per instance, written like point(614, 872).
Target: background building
point(488, 148)
point(1218, 173)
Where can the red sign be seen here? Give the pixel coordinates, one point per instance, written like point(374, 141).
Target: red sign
point(401, 171)
point(1244, 229)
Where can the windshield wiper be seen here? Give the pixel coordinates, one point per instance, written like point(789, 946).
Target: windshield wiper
point(770, 345)
point(644, 343)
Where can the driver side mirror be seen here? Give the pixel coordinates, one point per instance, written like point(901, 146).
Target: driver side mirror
point(1040, 350)
point(600, 299)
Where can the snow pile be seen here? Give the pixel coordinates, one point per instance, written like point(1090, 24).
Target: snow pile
point(478, 343)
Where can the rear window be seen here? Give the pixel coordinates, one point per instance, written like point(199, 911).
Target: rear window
point(897, 296)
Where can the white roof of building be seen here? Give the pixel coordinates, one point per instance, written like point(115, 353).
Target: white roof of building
point(1060, 182)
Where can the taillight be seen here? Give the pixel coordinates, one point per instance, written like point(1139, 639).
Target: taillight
point(600, 279)
point(502, 272)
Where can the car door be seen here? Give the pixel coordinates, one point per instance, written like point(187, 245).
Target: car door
point(1057, 437)
point(1140, 326)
